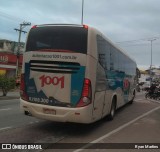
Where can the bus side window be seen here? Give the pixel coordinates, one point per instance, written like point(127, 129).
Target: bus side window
point(102, 51)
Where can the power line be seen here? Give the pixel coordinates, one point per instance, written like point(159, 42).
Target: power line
point(127, 45)
point(139, 40)
point(11, 17)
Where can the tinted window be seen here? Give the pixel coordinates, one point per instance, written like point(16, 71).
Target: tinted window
point(58, 37)
point(110, 58)
point(103, 52)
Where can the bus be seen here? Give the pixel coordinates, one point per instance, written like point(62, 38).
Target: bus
point(73, 73)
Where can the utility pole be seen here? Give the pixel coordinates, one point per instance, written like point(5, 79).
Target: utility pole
point(82, 12)
point(20, 30)
point(151, 60)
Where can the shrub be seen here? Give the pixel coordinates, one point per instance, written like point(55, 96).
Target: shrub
point(7, 84)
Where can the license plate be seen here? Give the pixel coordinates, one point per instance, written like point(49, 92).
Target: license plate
point(49, 111)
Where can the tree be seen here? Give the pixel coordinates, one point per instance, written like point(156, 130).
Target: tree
point(6, 84)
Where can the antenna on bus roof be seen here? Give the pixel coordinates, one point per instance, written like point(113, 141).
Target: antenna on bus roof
point(82, 12)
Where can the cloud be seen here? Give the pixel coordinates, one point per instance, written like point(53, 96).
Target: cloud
point(120, 20)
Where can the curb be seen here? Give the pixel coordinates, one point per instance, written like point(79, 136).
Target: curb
point(10, 95)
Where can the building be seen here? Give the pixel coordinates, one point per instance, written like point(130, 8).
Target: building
point(11, 46)
point(155, 73)
point(148, 77)
point(144, 76)
point(9, 57)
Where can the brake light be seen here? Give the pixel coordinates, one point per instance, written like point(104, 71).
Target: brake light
point(85, 26)
point(34, 26)
point(23, 94)
point(86, 97)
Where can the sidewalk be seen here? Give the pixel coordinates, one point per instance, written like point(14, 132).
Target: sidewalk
point(13, 94)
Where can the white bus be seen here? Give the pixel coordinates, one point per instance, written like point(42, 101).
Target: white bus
point(72, 73)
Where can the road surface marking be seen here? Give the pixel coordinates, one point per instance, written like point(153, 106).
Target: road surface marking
point(5, 109)
point(152, 100)
point(139, 99)
point(5, 128)
point(116, 130)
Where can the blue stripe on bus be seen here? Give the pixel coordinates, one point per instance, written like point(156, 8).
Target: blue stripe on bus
point(31, 90)
point(77, 85)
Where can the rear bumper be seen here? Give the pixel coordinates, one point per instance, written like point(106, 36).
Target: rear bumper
point(62, 114)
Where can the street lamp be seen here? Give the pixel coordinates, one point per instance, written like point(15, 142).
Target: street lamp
point(82, 12)
point(151, 60)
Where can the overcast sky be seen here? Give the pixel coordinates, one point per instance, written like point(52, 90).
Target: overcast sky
point(130, 24)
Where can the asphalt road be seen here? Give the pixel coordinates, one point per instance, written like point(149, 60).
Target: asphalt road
point(11, 116)
point(18, 128)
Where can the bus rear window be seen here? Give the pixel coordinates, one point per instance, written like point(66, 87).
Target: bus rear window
point(58, 38)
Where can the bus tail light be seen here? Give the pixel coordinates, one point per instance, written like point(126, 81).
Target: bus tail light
point(34, 26)
point(86, 97)
point(22, 89)
point(85, 26)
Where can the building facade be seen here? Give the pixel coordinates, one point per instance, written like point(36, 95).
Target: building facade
point(10, 61)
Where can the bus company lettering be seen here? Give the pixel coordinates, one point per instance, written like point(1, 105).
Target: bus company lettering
point(47, 80)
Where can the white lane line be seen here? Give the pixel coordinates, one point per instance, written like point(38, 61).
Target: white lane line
point(151, 100)
point(116, 130)
point(5, 128)
point(5, 109)
point(138, 100)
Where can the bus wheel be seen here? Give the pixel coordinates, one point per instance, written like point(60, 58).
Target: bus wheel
point(27, 113)
point(113, 110)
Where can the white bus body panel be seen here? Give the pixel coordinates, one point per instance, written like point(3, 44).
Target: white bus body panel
point(59, 114)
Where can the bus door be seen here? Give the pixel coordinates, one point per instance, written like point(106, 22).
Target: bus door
point(99, 100)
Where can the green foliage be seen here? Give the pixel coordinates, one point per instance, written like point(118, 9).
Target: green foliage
point(6, 84)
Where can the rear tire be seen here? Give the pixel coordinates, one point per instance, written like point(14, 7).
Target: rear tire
point(27, 113)
point(112, 110)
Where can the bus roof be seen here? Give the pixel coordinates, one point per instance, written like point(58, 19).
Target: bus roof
point(74, 25)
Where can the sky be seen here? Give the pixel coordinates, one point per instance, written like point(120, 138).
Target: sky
point(130, 24)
